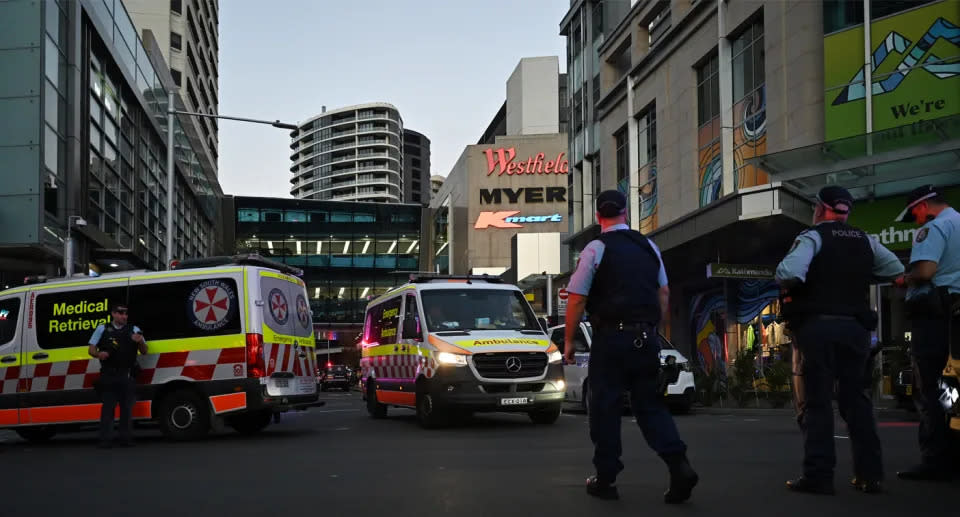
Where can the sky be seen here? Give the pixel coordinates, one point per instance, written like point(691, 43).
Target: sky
point(443, 63)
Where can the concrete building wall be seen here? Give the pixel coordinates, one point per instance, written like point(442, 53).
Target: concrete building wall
point(533, 97)
point(416, 167)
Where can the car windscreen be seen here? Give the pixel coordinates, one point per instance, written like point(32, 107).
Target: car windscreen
point(477, 309)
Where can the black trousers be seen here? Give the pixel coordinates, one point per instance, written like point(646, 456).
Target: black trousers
point(617, 365)
point(929, 350)
point(835, 352)
point(116, 387)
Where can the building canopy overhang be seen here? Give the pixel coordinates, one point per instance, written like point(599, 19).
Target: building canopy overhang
point(876, 165)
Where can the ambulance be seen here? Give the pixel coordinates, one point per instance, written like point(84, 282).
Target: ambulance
point(453, 345)
point(230, 341)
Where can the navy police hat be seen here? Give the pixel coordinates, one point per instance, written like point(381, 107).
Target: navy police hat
point(611, 203)
point(837, 198)
point(914, 198)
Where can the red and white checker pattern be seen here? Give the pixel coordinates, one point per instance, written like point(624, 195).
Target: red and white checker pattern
point(398, 366)
point(286, 358)
point(197, 365)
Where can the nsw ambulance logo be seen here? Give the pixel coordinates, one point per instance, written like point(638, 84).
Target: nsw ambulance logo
point(303, 311)
point(210, 305)
point(279, 308)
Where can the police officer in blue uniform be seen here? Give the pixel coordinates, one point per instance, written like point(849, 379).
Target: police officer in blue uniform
point(933, 291)
point(116, 345)
point(621, 283)
point(827, 276)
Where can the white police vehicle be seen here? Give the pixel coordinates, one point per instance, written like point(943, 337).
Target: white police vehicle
point(681, 392)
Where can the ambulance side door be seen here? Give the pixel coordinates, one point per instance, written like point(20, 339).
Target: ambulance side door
point(11, 331)
point(411, 340)
point(58, 376)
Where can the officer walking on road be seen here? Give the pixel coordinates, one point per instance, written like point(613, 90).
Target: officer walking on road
point(933, 287)
point(621, 283)
point(827, 276)
point(116, 345)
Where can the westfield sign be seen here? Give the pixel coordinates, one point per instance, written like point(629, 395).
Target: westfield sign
point(502, 161)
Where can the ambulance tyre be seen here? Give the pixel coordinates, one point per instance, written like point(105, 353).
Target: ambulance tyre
point(376, 409)
point(184, 415)
point(36, 434)
point(428, 414)
point(547, 415)
point(252, 422)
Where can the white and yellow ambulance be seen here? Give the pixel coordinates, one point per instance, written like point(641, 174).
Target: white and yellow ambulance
point(230, 340)
point(446, 345)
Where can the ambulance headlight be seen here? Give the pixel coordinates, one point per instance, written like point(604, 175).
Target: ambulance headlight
point(453, 359)
point(555, 356)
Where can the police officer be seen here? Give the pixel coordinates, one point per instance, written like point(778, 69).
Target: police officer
point(621, 282)
point(116, 345)
point(933, 285)
point(827, 276)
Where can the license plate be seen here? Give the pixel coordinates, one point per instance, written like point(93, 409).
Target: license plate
point(514, 401)
point(281, 383)
point(909, 390)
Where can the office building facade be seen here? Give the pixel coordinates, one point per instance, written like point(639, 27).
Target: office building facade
point(86, 99)
point(353, 153)
point(416, 168)
point(720, 148)
point(187, 32)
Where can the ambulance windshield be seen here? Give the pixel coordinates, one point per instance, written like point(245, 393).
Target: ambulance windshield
point(477, 309)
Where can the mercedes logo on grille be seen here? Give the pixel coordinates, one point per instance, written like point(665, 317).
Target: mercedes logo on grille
point(513, 364)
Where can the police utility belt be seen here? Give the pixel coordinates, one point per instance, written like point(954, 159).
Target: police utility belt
point(937, 303)
point(644, 332)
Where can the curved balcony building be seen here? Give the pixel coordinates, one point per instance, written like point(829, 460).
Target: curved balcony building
point(349, 154)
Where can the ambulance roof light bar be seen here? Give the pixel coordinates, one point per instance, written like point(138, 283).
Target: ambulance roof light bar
point(418, 278)
point(246, 259)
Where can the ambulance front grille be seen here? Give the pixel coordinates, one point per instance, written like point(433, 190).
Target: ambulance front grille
point(510, 365)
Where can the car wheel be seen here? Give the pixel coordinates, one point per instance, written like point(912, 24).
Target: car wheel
point(376, 409)
point(250, 423)
point(38, 434)
point(184, 415)
point(546, 416)
point(428, 414)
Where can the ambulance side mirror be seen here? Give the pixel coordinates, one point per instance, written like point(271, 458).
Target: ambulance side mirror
point(544, 324)
point(410, 329)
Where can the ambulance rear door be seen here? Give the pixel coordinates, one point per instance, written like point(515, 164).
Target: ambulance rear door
point(289, 352)
point(11, 323)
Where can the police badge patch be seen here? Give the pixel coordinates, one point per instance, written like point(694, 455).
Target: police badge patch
point(921, 235)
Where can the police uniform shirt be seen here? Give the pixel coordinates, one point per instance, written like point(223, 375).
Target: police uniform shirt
point(589, 261)
point(117, 357)
point(797, 262)
point(939, 241)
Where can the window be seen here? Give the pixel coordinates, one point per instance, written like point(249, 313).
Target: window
point(382, 322)
point(176, 41)
point(177, 76)
point(410, 312)
point(477, 309)
point(710, 167)
point(186, 309)
point(749, 105)
point(647, 136)
point(176, 6)
point(620, 139)
point(708, 90)
point(597, 176)
point(9, 316)
point(579, 340)
point(68, 319)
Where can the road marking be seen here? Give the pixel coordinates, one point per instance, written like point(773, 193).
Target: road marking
point(841, 437)
point(751, 419)
point(342, 429)
point(335, 411)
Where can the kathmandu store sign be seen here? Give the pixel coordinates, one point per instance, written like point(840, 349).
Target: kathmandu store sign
point(502, 161)
point(510, 219)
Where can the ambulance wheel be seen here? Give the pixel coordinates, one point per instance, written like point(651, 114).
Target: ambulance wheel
point(184, 416)
point(376, 409)
point(37, 434)
point(428, 415)
point(251, 423)
point(546, 416)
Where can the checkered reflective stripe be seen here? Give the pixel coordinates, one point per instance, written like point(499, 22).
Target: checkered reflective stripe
point(197, 365)
point(398, 366)
point(287, 358)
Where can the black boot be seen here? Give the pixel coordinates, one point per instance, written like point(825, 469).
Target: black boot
point(602, 489)
point(682, 479)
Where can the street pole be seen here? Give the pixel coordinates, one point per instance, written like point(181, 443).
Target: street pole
point(549, 297)
point(68, 251)
point(171, 179)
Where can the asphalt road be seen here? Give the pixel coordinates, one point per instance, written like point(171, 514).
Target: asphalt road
point(335, 461)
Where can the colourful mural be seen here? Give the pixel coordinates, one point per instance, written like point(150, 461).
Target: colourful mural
point(706, 311)
point(753, 296)
point(647, 178)
point(915, 68)
point(750, 138)
point(710, 165)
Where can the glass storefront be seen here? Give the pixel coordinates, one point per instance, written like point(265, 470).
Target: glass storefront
point(350, 252)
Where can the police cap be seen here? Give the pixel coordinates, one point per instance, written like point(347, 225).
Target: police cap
point(837, 198)
point(611, 203)
point(914, 198)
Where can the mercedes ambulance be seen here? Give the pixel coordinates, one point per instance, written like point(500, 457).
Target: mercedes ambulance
point(230, 340)
point(454, 345)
